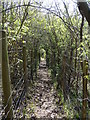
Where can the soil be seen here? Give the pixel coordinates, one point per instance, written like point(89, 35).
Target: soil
point(42, 99)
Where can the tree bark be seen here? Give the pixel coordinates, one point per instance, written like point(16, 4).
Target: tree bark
point(84, 10)
point(6, 83)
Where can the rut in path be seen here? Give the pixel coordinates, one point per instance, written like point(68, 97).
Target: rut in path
point(42, 97)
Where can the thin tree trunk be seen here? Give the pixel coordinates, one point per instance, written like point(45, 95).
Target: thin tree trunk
point(85, 73)
point(6, 83)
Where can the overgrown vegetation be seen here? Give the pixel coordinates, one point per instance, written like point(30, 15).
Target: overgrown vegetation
point(63, 40)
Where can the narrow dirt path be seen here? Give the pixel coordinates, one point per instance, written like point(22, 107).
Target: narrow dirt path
point(42, 97)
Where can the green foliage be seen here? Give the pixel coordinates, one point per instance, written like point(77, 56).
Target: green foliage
point(49, 34)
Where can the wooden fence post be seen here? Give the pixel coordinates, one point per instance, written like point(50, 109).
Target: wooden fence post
point(35, 60)
point(31, 54)
point(84, 102)
point(25, 65)
point(0, 47)
point(47, 58)
point(64, 77)
point(39, 55)
point(6, 84)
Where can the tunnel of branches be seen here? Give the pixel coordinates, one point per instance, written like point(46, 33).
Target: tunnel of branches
point(39, 38)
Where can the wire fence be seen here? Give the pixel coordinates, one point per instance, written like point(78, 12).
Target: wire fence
point(75, 73)
point(22, 69)
point(18, 93)
point(71, 73)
